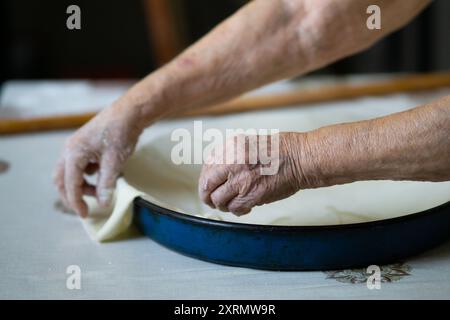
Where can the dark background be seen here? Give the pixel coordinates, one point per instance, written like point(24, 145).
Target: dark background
point(114, 39)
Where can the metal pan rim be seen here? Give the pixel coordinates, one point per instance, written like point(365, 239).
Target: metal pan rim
point(139, 201)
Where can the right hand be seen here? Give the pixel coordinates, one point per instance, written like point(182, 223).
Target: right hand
point(102, 145)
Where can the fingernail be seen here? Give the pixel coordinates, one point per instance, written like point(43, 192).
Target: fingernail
point(105, 196)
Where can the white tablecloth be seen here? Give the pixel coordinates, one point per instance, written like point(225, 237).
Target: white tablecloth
point(38, 242)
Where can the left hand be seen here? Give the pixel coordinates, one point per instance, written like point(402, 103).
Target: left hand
point(238, 187)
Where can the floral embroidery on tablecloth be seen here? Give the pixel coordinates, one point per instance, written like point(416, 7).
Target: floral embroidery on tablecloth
point(389, 273)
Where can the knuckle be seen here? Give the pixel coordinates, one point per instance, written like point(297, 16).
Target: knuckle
point(243, 211)
point(203, 196)
point(203, 191)
point(236, 204)
point(245, 182)
point(71, 142)
point(217, 199)
point(201, 182)
point(73, 156)
point(239, 209)
point(206, 184)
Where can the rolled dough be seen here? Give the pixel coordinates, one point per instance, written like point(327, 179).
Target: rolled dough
point(151, 174)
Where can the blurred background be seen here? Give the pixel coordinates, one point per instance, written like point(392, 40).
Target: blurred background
point(130, 38)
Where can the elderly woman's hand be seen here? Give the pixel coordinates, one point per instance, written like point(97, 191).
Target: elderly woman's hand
point(102, 145)
point(238, 183)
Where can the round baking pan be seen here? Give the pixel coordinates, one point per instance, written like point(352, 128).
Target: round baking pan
point(295, 247)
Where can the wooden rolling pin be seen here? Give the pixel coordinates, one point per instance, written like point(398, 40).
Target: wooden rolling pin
point(296, 97)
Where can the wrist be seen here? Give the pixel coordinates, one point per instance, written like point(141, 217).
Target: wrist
point(327, 156)
point(340, 154)
point(302, 158)
point(145, 102)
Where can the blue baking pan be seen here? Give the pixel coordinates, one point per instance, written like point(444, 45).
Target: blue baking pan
point(295, 247)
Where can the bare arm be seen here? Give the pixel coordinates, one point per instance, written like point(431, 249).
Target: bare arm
point(410, 145)
point(265, 41)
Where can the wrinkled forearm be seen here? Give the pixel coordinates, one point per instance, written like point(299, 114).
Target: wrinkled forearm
point(266, 40)
point(410, 145)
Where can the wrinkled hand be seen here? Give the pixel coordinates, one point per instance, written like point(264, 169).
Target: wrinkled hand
point(102, 145)
point(239, 186)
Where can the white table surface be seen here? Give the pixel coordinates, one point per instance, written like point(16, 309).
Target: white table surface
point(38, 243)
